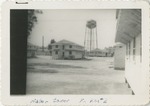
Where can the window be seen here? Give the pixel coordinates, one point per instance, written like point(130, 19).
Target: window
point(70, 46)
point(56, 52)
point(50, 52)
point(63, 47)
point(50, 46)
point(56, 46)
point(70, 52)
point(134, 48)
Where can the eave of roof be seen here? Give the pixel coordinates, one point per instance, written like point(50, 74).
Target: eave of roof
point(65, 42)
point(128, 25)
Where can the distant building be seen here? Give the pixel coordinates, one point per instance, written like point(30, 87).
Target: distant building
point(97, 53)
point(119, 56)
point(31, 50)
point(129, 33)
point(43, 51)
point(66, 50)
point(109, 51)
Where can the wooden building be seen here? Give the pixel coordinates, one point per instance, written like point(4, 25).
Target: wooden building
point(129, 33)
point(43, 51)
point(109, 51)
point(65, 49)
point(97, 53)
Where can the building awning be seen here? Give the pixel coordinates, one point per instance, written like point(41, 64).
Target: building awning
point(128, 25)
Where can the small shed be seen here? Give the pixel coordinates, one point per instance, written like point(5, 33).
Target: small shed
point(119, 56)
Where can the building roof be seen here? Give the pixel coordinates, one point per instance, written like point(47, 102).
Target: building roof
point(65, 42)
point(30, 44)
point(96, 50)
point(128, 25)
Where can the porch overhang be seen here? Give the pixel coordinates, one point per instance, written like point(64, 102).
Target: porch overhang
point(128, 25)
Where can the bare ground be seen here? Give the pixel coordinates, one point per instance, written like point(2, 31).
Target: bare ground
point(96, 76)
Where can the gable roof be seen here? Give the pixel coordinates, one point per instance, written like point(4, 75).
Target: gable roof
point(65, 42)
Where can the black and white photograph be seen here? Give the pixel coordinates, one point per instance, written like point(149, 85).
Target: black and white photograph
point(83, 51)
point(97, 55)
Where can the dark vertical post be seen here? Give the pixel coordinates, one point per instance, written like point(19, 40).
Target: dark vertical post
point(96, 38)
point(85, 38)
point(93, 39)
point(90, 38)
point(18, 51)
point(85, 41)
point(43, 43)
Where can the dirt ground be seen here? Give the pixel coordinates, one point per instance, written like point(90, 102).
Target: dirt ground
point(96, 76)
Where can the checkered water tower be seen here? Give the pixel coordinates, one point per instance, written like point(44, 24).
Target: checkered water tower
point(91, 40)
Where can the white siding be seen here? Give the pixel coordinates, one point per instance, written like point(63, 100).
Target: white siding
point(119, 57)
point(78, 54)
point(133, 67)
point(75, 53)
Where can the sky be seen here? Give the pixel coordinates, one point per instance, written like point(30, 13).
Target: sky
point(70, 25)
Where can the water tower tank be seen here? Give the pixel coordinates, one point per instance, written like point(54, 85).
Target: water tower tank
point(91, 24)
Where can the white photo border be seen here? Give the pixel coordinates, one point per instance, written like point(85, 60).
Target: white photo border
point(8, 99)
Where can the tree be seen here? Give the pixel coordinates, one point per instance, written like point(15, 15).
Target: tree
point(51, 42)
point(32, 19)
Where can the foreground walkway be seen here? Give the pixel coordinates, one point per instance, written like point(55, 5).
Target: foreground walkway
point(96, 76)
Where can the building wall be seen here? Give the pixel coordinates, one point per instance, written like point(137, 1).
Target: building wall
point(75, 54)
point(41, 52)
point(54, 56)
point(136, 67)
point(31, 51)
point(133, 66)
point(78, 54)
point(119, 57)
point(73, 47)
point(97, 54)
point(59, 50)
point(67, 46)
